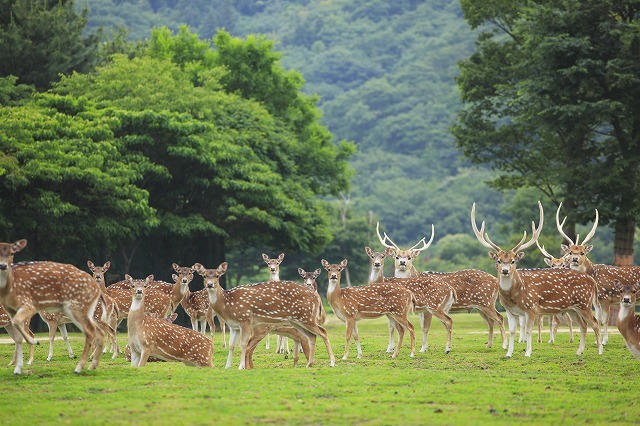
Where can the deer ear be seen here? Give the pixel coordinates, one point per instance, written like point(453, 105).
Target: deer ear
point(564, 248)
point(617, 285)
point(19, 245)
point(519, 256)
point(493, 256)
point(176, 267)
point(316, 273)
point(636, 287)
point(265, 257)
point(325, 264)
point(90, 264)
point(587, 249)
point(301, 272)
point(198, 268)
point(148, 280)
point(128, 277)
point(389, 251)
point(281, 257)
point(106, 265)
point(548, 261)
point(223, 268)
point(175, 277)
point(343, 264)
point(368, 251)
point(415, 253)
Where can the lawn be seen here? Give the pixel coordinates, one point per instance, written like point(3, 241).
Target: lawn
point(471, 385)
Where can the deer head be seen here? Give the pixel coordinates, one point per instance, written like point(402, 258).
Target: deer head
point(506, 261)
point(99, 272)
point(309, 278)
point(575, 252)
point(7, 251)
point(552, 262)
point(404, 258)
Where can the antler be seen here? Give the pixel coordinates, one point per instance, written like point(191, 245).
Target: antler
point(559, 225)
point(382, 240)
point(566, 237)
point(480, 235)
point(592, 232)
point(424, 245)
point(534, 231)
point(544, 252)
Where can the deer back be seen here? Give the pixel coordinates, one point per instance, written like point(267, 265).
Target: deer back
point(551, 290)
point(430, 291)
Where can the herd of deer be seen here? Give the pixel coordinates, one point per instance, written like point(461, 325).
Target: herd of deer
point(60, 293)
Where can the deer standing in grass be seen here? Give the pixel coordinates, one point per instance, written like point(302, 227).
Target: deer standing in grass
point(605, 275)
point(554, 320)
point(371, 301)
point(111, 307)
point(273, 266)
point(196, 304)
point(531, 292)
point(474, 289)
point(157, 337)
point(628, 322)
point(50, 286)
point(278, 303)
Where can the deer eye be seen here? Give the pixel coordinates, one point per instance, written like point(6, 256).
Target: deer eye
point(513, 261)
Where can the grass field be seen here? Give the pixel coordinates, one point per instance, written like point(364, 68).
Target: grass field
point(470, 385)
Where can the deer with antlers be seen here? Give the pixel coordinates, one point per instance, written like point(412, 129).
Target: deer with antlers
point(371, 301)
point(628, 322)
point(531, 292)
point(474, 289)
point(278, 303)
point(50, 286)
point(157, 337)
point(605, 275)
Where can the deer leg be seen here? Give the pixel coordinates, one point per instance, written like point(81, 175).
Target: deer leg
point(489, 322)
point(494, 315)
point(529, 318)
point(425, 324)
point(267, 346)
point(448, 323)
point(513, 325)
point(92, 333)
point(17, 337)
point(540, 321)
point(522, 322)
point(405, 325)
point(587, 317)
point(233, 341)
point(391, 326)
point(604, 321)
point(22, 317)
point(318, 330)
point(65, 337)
point(350, 324)
point(246, 332)
point(569, 322)
point(144, 357)
point(135, 357)
point(52, 335)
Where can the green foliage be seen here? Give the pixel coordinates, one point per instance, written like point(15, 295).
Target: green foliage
point(41, 39)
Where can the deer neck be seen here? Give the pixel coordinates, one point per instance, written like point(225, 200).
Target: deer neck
point(509, 282)
point(274, 276)
point(216, 298)
point(626, 319)
point(334, 291)
point(407, 273)
point(376, 276)
point(136, 312)
point(6, 279)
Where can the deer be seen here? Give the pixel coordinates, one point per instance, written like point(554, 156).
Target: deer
point(604, 275)
point(157, 337)
point(111, 307)
point(531, 292)
point(474, 289)
point(50, 286)
point(277, 303)
point(127, 350)
point(554, 320)
point(5, 322)
point(365, 302)
point(197, 306)
point(628, 322)
point(273, 266)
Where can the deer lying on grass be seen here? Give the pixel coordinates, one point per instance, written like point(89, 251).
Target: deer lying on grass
point(50, 286)
point(628, 322)
point(278, 303)
point(157, 337)
point(371, 301)
point(531, 292)
point(196, 304)
point(604, 275)
point(127, 349)
point(474, 289)
point(273, 266)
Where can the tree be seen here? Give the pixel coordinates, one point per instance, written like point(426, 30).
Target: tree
point(551, 102)
point(39, 40)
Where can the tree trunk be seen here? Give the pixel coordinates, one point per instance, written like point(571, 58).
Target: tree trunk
point(623, 242)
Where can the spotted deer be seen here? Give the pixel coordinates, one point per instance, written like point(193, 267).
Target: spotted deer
point(50, 286)
point(157, 337)
point(628, 322)
point(197, 306)
point(532, 292)
point(57, 321)
point(474, 289)
point(127, 349)
point(277, 303)
point(554, 320)
point(110, 305)
point(273, 266)
point(605, 275)
point(352, 304)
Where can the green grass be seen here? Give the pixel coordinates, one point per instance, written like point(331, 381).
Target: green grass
point(470, 385)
